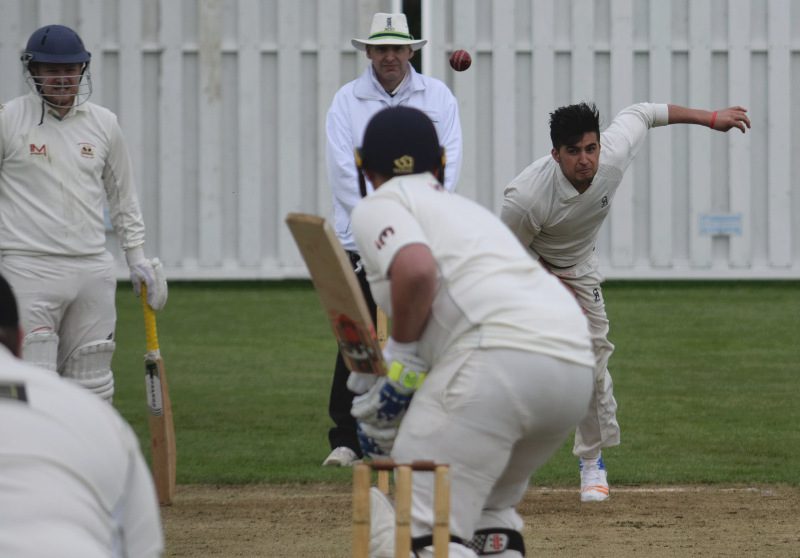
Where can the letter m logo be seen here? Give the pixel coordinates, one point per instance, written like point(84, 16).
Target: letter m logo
point(38, 150)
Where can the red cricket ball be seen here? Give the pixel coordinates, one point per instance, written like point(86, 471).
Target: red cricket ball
point(460, 60)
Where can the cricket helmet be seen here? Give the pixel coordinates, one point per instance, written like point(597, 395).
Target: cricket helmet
point(401, 140)
point(57, 44)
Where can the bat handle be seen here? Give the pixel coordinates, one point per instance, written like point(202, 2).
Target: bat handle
point(151, 333)
point(383, 327)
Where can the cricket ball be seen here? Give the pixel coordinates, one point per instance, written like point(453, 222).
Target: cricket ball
point(460, 60)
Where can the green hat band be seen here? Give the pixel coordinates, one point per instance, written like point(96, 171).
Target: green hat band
point(390, 34)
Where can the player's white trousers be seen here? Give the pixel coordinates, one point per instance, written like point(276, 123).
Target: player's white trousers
point(599, 428)
point(72, 296)
point(495, 416)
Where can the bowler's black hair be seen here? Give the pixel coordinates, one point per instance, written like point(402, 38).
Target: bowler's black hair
point(568, 124)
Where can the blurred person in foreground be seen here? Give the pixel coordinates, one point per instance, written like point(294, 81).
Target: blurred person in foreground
point(73, 482)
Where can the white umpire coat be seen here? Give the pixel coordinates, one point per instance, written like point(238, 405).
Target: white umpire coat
point(351, 110)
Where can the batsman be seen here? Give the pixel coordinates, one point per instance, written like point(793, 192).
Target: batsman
point(62, 158)
point(489, 360)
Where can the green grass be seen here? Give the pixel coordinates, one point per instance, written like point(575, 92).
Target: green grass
point(705, 373)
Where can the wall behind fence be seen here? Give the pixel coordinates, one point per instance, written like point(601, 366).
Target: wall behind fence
point(223, 105)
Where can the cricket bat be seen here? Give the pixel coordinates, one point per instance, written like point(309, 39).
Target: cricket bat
point(339, 292)
point(162, 429)
point(382, 327)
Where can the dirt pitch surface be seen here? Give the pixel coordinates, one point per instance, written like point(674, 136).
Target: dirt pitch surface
point(314, 521)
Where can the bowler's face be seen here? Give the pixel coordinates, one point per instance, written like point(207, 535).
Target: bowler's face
point(390, 63)
point(579, 161)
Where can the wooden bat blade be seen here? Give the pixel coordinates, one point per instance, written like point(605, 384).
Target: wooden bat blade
point(339, 292)
point(162, 430)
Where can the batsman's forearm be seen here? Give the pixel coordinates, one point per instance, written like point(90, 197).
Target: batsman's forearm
point(413, 278)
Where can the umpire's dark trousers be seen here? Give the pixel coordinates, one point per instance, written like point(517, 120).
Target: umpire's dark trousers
point(343, 432)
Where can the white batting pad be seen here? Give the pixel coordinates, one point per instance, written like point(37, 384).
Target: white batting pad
point(90, 366)
point(40, 348)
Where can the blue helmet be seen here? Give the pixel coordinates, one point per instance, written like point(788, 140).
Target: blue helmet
point(55, 44)
point(399, 140)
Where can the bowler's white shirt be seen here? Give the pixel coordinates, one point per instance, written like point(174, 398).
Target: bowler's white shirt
point(546, 212)
point(491, 292)
point(353, 107)
point(73, 482)
point(55, 177)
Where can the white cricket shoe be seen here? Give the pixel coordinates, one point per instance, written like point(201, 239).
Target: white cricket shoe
point(381, 525)
point(594, 483)
point(341, 457)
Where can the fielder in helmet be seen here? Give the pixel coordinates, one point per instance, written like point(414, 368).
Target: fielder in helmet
point(489, 359)
point(62, 159)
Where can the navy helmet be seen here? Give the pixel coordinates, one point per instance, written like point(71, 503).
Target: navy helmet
point(401, 140)
point(55, 44)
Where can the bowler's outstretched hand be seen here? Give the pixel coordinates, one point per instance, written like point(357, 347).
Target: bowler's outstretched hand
point(731, 117)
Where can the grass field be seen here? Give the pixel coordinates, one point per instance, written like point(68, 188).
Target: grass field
point(706, 376)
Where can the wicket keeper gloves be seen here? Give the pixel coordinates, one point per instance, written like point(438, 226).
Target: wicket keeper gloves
point(149, 272)
point(384, 405)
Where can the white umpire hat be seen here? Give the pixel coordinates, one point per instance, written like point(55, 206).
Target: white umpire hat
point(389, 29)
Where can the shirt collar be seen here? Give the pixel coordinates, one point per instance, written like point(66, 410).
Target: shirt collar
point(565, 187)
point(368, 86)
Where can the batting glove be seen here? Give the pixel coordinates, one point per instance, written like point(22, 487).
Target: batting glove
point(151, 274)
point(360, 382)
point(375, 442)
point(385, 403)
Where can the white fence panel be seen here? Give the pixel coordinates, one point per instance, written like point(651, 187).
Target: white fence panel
point(223, 105)
point(779, 139)
point(660, 208)
point(739, 152)
point(164, 214)
point(621, 87)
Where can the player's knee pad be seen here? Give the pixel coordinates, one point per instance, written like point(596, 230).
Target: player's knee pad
point(90, 366)
point(40, 348)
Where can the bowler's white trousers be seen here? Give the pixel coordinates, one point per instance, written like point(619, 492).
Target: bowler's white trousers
point(599, 428)
point(495, 416)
